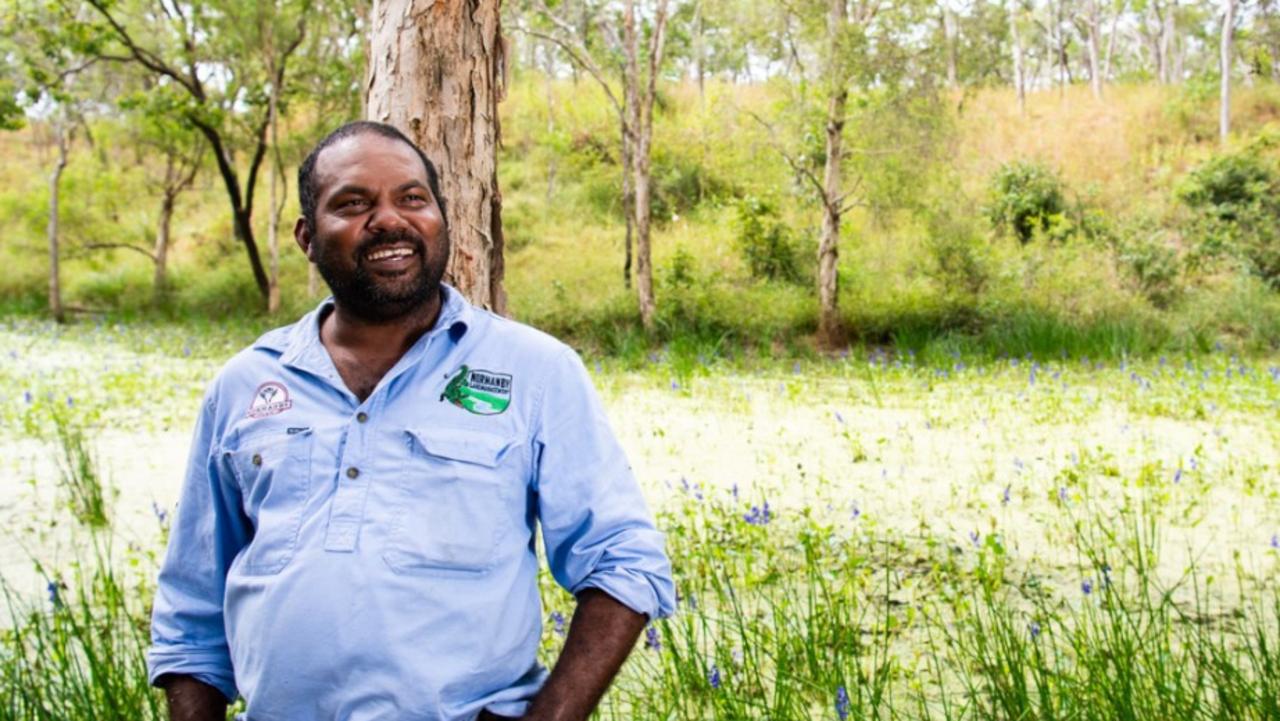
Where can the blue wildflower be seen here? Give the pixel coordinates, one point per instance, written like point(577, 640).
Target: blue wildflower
point(55, 596)
point(557, 618)
point(856, 511)
point(26, 396)
point(795, 368)
point(1086, 586)
point(1177, 475)
point(1004, 497)
point(713, 676)
point(842, 703)
point(973, 537)
point(1034, 628)
point(70, 402)
point(735, 491)
point(675, 386)
point(839, 418)
point(1275, 540)
point(652, 641)
point(161, 514)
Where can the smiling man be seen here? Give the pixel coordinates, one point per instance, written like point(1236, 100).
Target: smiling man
point(355, 539)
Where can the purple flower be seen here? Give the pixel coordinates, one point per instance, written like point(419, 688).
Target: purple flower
point(974, 536)
point(652, 641)
point(161, 514)
point(557, 618)
point(1087, 586)
point(1275, 540)
point(735, 491)
point(795, 368)
point(1062, 494)
point(713, 676)
point(1004, 497)
point(842, 703)
point(759, 516)
point(1035, 629)
point(839, 418)
point(54, 588)
point(1177, 475)
point(70, 402)
point(856, 511)
point(26, 396)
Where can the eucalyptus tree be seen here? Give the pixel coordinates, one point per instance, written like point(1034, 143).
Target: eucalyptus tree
point(624, 51)
point(54, 60)
point(215, 55)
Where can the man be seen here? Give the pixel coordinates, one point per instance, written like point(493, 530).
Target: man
point(355, 539)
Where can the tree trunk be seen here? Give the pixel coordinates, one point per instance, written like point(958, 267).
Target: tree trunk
point(830, 328)
point(1019, 78)
point(55, 181)
point(641, 101)
point(274, 202)
point(1224, 66)
point(628, 200)
point(1093, 27)
point(160, 254)
point(436, 71)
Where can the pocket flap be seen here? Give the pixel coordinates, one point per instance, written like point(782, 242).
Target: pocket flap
point(476, 447)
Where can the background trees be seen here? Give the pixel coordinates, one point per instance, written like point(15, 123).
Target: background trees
point(836, 121)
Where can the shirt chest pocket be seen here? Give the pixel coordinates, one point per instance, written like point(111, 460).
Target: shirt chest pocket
point(458, 498)
point(273, 470)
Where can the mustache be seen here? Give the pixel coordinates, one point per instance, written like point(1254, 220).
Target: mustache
point(394, 237)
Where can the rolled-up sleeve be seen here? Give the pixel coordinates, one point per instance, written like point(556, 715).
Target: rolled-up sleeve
point(187, 630)
point(596, 526)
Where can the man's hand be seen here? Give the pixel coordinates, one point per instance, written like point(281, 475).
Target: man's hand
point(601, 636)
point(192, 700)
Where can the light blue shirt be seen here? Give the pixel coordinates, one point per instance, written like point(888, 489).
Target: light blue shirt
point(333, 559)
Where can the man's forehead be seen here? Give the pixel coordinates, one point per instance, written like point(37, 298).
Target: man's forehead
point(370, 156)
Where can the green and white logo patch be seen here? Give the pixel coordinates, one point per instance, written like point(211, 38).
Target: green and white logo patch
point(482, 392)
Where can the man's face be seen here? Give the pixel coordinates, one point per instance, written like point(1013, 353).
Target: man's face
point(379, 240)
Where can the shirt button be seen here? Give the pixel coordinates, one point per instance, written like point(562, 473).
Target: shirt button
point(352, 472)
point(257, 459)
point(362, 416)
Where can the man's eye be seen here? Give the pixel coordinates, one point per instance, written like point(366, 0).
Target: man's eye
point(351, 203)
point(416, 198)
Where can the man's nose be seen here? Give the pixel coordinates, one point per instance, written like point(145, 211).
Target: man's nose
point(385, 217)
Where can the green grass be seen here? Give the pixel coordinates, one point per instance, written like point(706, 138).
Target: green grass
point(802, 594)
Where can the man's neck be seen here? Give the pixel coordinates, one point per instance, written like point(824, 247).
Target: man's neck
point(363, 337)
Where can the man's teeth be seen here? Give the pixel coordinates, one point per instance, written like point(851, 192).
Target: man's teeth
point(390, 253)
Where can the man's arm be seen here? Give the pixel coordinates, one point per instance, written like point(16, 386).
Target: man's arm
point(601, 636)
point(192, 700)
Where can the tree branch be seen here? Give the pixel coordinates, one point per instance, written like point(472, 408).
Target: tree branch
point(118, 246)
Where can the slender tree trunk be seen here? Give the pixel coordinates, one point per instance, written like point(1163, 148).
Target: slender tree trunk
point(628, 196)
point(1093, 27)
point(1224, 67)
point(830, 328)
point(548, 80)
point(160, 254)
point(436, 72)
point(55, 181)
point(274, 202)
point(641, 100)
point(1111, 43)
point(1019, 76)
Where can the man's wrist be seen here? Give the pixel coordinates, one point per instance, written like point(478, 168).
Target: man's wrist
point(191, 699)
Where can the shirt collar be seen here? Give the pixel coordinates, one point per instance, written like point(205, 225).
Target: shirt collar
point(299, 344)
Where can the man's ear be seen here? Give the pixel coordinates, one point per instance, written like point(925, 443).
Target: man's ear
point(302, 235)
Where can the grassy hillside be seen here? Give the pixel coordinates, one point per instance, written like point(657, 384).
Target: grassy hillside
point(1118, 270)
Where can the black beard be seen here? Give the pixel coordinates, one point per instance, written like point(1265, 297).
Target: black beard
point(364, 296)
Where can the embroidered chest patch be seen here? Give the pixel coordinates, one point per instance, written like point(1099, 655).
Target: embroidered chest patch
point(481, 392)
point(270, 398)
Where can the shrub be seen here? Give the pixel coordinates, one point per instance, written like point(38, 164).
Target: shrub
point(1027, 199)
point(1236, 199)
point(1152, 262)
point(767, 245)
